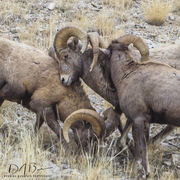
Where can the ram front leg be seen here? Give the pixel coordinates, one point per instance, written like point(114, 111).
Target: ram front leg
point(51, 119)
point(47, 113)
point(1, 101)
point(140, 133)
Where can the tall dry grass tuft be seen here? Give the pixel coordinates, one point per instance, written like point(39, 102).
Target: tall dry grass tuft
point(25, 150)
point(120, 7)
point(66, 4)
point(38, 36)
point(118, 4)
point(156, 11)
point(176, 5)
point(82, 20)
point(33, 32)
point(105, 24)
point(88, 165)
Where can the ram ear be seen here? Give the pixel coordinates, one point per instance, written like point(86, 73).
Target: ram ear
point(51, 51)
point(73, 43)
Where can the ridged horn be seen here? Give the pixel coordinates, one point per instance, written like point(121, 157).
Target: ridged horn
point(138, 43)
point(62, 36)
point(88, 115)
point(96, 42)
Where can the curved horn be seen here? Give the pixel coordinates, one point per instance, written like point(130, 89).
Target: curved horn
point(88, 115)
point(65, 33)
point(96, 41)
point(138, 43)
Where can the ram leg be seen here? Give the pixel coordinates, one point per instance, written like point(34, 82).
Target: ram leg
point(140, 133)
point(48, 115)
point(120, 126)
point(1, 101)
point(123, 139)
point(51, 120)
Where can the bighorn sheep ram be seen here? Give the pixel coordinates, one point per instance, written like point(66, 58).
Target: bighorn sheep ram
point(147, 92)
point(31, 78)
point(74, 64)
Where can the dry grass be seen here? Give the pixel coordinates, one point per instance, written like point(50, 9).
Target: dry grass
point(120, 8)
point(118, 4)
point(105, 23)
point(156, 11)
point(15, 16)
point(19, 145)
point(176, 5)
point(21, 148)
point(82, 20)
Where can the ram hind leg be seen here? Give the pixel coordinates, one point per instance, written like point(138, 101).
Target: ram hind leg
point(1, 101)
point(124, 135)
point(123, 141)
point(140, 133)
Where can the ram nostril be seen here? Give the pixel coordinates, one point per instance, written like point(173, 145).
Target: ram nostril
point(62, 80)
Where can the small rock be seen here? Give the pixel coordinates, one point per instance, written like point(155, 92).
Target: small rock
point(27, 17)
point(172, 18)
point(138, 26)
point(150, 43)
point(96, 6)
point(130, 24)
point(162, 38)
point(65, 166)
point(13, 30)
point(51, 6)
point(54, 170)
point(70, 172)
point(168, 163)
point(176, 159)
point(70, 14)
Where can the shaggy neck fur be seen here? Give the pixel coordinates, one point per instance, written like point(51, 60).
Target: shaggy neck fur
point(122, 64)
point(77, 87)
point(98, 79)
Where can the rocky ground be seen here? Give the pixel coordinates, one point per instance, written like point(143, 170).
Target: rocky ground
point(36, 23)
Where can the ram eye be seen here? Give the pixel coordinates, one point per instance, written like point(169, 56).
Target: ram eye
point(66, 57)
